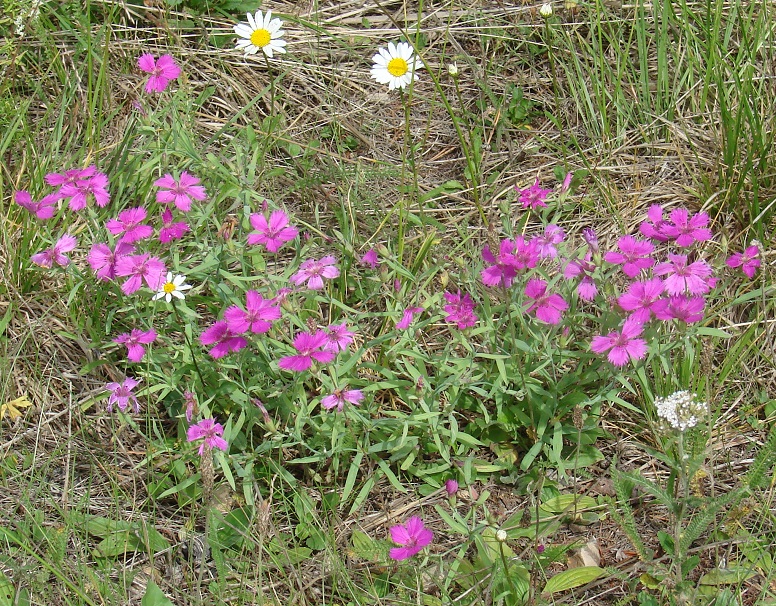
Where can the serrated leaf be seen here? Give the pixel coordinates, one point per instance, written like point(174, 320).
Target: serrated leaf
point(365, 547)
point(12, 408)
point(154, 596)
point(574, 577)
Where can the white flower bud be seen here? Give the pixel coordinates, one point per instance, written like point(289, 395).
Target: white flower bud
point(546, 10)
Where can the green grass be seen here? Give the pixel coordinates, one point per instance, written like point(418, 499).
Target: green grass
point(662, 103)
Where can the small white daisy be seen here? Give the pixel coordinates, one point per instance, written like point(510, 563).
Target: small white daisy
point(395, 65)
point(172, 287)
point(262, 33)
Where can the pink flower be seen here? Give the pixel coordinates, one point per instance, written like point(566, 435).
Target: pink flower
point(130, 224)
point(48, 257)
point(338, 337)
point(259, 317)
point(191, 404)
point(162, 71)
point(412, 536)
point(210, 433)
point(747, 260)
point(503, 269)
point(339, 397)
point(134, 342)
point(43, 210)
point(273, 233)
point(533, 196)
point(313, 272)
point(407, 317)
point(171, 231)
point(103, 260)
point(549, 308)
point(309, 347)
point(687, 229)
point(624, 345)
point(121, 394)
point(633, 255)
point(566, 185)
point(586, 289)
point(682, 308)
point(546, 244)
point(70, 176)
point(591, 238)
point(643, 299)
point(654, 227)
point(179, 192)
point(694, 278)
point(79, 191)
point(139, 268)
point(370, 259)
point(222, 339)
point(451, 486)
point(526, 253)
point(460, 310)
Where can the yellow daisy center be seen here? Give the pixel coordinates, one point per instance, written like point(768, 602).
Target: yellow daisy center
point(168, 287)
point(398, 67)
point(260, 38)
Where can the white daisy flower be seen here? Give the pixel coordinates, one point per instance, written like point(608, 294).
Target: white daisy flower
point(172, 287)
point(262, 33)
point(395, 65)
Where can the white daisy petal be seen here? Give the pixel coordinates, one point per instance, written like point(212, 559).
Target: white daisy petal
point(252, 21)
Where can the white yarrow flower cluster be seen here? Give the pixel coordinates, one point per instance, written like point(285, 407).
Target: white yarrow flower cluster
point(680, 410)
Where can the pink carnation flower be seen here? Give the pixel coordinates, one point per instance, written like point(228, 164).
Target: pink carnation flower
point(654, 227)
point(56, 254)
point(162, 71)
point(340, 397)
point(586, 289)
point(643, 299)
point(503, 268)
point(545, 245)
point(370, 259)
point(549, 308)
point(130, 223)
point(138, 268)
point(180, 192)
point(633, 255)
point(460, 310)
point(694, 278)
point(748, 260)
point(310, 347)
point(79, 192)
point(258, 318)
point(171, 231)
point(103, 260)
point(121, 395)
point(313, 272)
point(338, 337)
point(135, 341)
point(407, 317)
point(533, 196)
point(70, 176)
point(682, 308)
point(622, 346)
point(210, 433)
point(686, 229)
point(222, 339)
point(273, 233)
point(412, 537)
point(44, 209)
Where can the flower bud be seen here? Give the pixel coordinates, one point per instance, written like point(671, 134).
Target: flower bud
point(546, 10)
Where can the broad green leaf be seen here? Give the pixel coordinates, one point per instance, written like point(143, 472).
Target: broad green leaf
point(727, 576)
point(574, 577)
point(7, 591)
point(154, 596)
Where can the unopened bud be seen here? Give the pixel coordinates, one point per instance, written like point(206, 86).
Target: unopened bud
point(546, 10)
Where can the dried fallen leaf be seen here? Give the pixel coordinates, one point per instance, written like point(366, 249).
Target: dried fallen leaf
point(589, 555)
point(12, 408)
